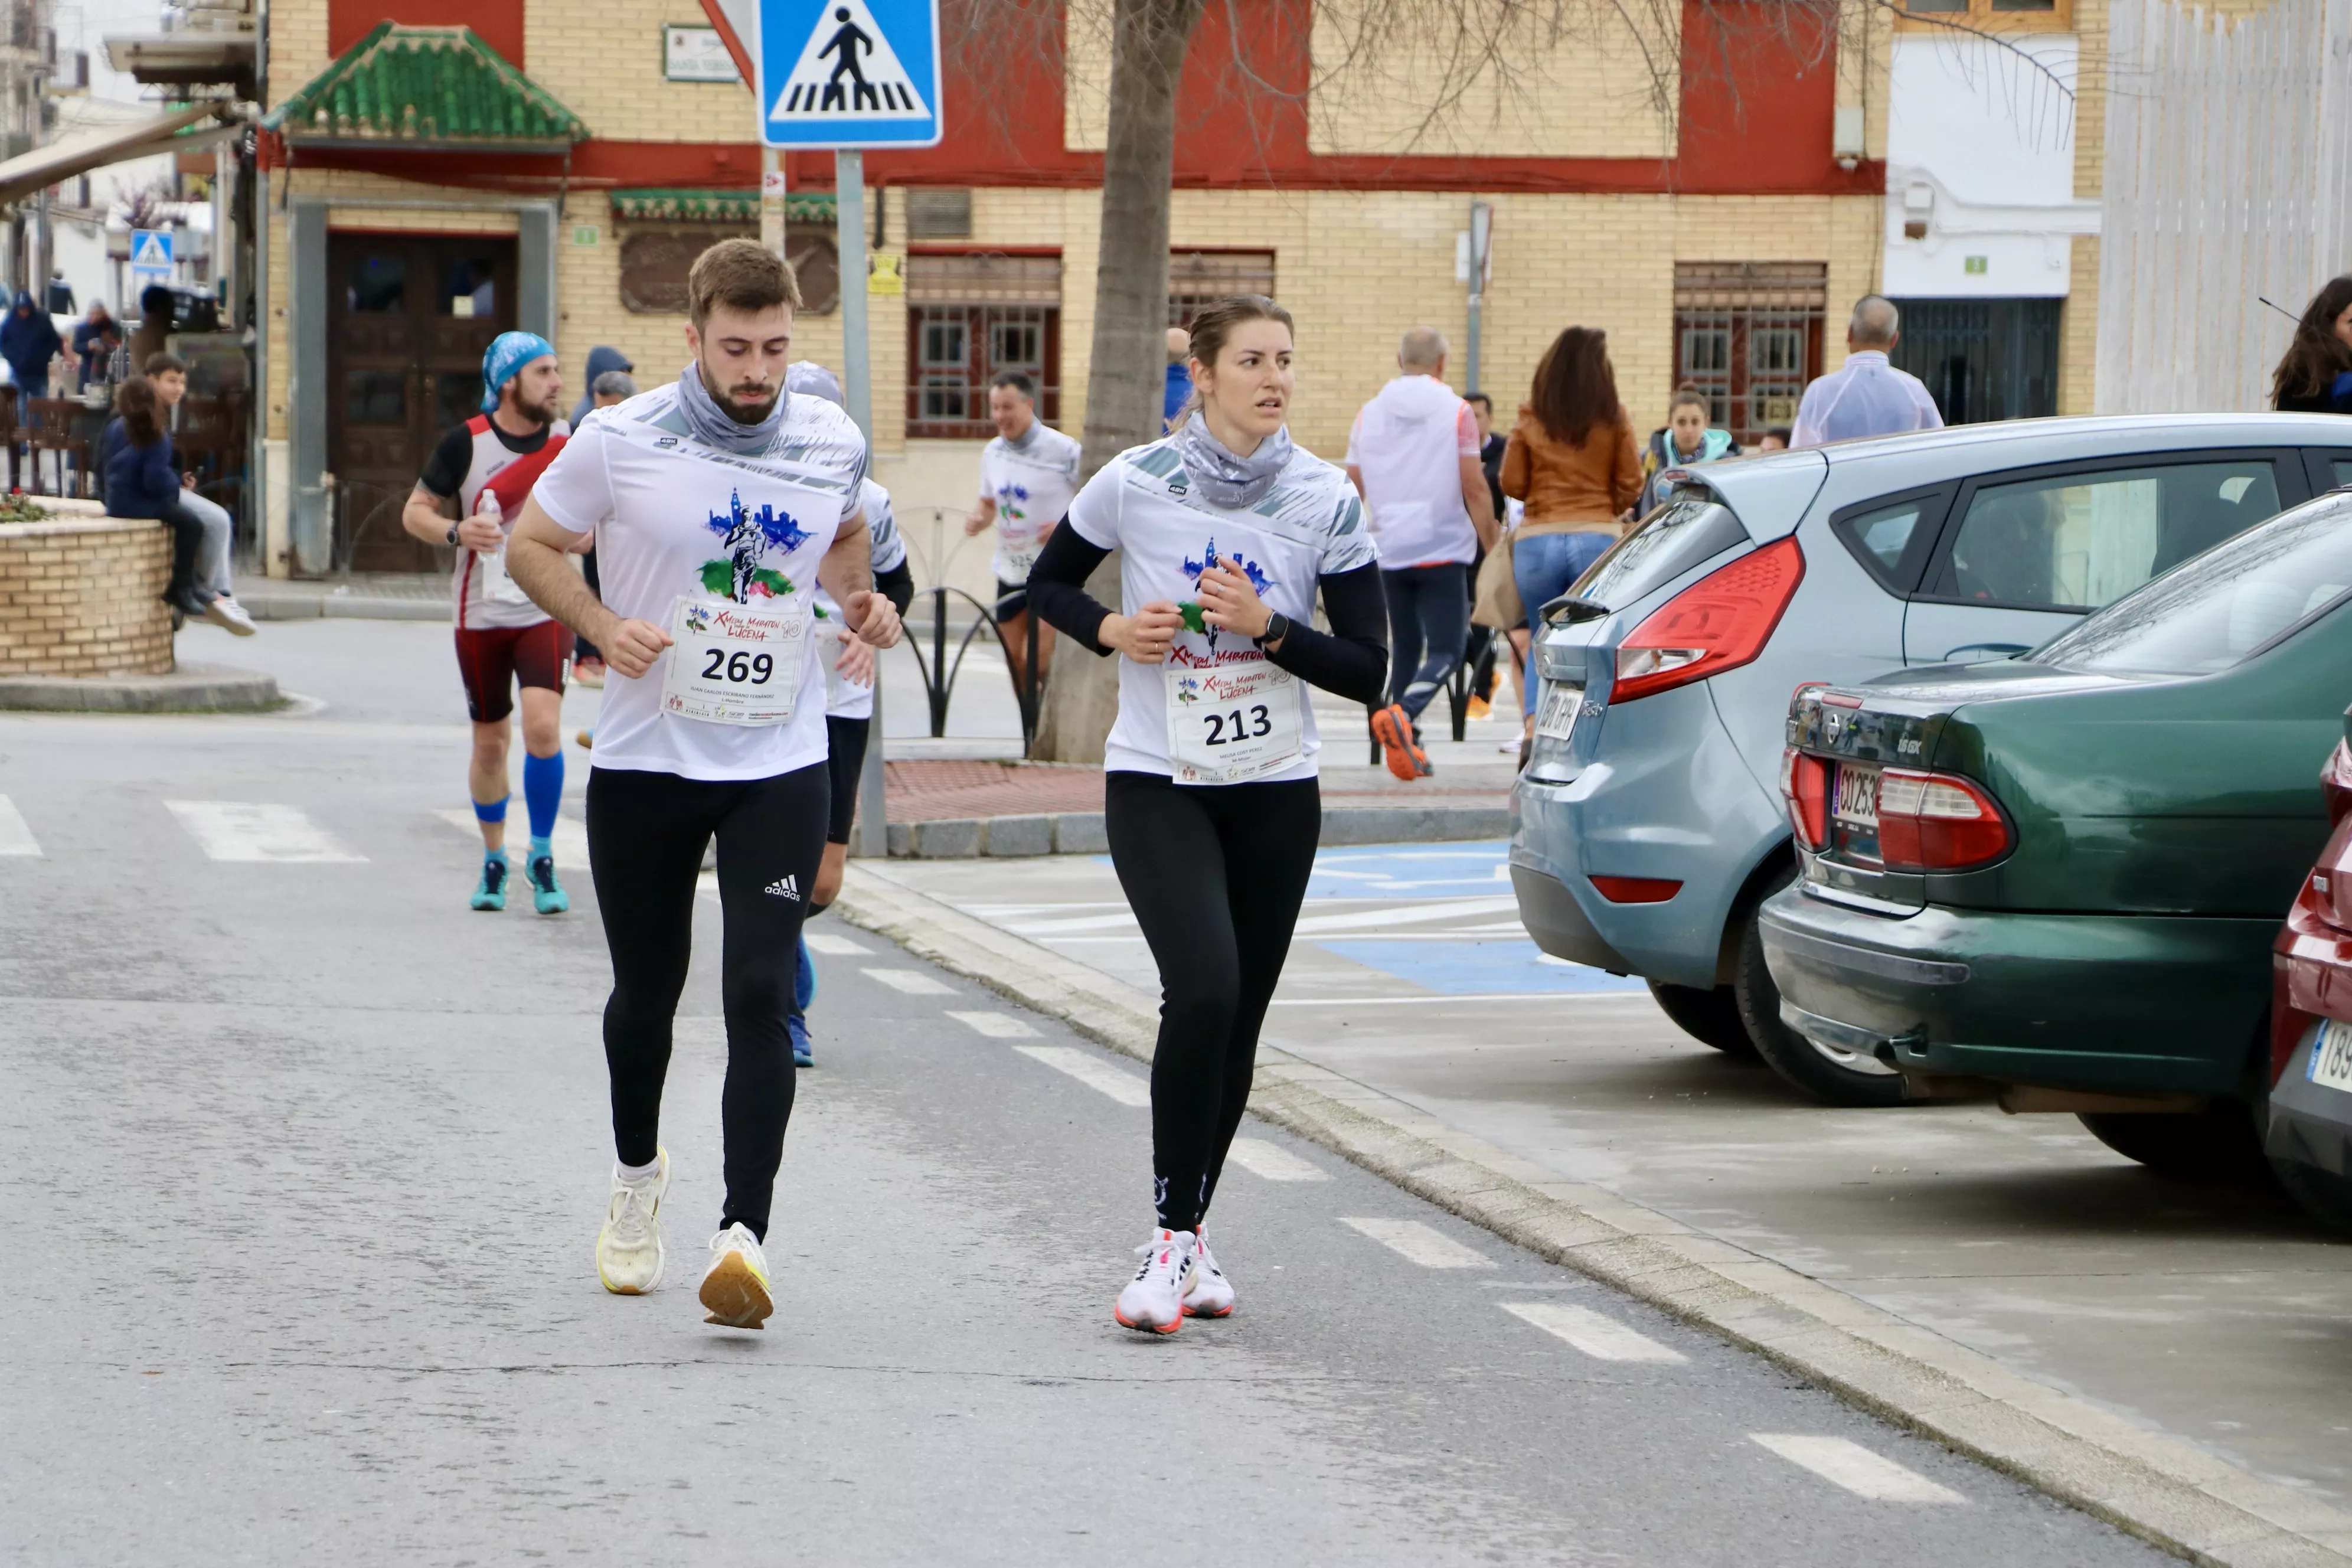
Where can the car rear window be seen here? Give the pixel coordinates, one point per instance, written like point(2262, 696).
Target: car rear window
point(1668, 543)
point(2212, 612)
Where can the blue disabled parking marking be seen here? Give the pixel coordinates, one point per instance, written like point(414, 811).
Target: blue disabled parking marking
point(1413, 871)
point(1475, 968)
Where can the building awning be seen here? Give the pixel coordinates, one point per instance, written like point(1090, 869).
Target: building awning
point(194, 57)
point(425, 87)
point(63, 159)
point(736, 209)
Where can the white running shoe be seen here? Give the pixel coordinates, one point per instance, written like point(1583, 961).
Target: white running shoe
point(230, 616)
point(629, 1251)
point(735, 1288)
point(1211, 1294)
point(1153, 1301)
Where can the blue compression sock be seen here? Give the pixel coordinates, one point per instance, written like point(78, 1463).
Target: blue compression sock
point(494, 812)
point(542, 792)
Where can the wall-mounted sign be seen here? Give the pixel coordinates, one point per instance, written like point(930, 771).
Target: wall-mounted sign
point(694, 53)
point(1974, 264)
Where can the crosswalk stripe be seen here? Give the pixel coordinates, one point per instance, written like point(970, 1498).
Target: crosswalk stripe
point(15, 834)
point(570, 839)
point(1857, 1469)
point(912, 982)
point(839, 946)
point(1600, 1337)
point(1125, 1088)
point(995, 1025)
point(254, 831)
point(1411, 914)
point(1273, 1162)
point(1417, 1243)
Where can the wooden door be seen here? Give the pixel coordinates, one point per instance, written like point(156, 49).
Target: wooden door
point(408, 318)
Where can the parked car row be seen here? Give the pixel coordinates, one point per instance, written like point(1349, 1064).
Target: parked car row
point(1980, 763)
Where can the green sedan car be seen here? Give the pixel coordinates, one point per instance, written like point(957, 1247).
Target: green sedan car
point(2054, 879)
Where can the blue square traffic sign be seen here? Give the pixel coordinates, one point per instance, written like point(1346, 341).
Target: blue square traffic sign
point(849, 73)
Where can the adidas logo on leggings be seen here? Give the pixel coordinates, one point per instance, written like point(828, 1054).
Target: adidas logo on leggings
point(786, 888)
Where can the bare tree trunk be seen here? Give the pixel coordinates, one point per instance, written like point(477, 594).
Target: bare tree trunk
point(1149, 39)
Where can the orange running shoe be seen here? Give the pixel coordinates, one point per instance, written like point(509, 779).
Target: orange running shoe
point(1393, 731)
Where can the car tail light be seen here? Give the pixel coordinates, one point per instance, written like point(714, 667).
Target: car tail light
point(1936, 822)
point(2335, 781)
point(1805, 783)
point(1718, 622)
point(1636, 890)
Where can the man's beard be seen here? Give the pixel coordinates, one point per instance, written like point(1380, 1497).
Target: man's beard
point(741, 413)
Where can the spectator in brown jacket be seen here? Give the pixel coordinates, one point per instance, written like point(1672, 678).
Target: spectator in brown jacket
point(1573, 462)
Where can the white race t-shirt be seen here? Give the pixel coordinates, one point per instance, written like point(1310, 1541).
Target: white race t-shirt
point(1143, 505)
point(1409, 442)
point(673, 516)
point(1031, 486)
point(846, 698)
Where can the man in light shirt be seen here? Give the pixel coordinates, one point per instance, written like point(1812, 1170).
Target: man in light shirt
point(1866, 395)
point(1413, 456)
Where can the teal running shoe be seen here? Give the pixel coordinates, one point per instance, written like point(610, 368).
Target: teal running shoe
point(804, 1051)
point(492, 893)
point(547, 895)
point(803, 978)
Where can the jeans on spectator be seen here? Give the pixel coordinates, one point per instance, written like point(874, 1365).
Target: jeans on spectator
point(185, 592)
point(1543, 568)
point(1429, 620)
point(211, 564)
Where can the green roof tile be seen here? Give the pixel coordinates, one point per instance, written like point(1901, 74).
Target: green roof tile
point(733, 208)
point(437, 85)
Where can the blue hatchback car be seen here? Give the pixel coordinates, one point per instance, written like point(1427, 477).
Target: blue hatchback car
point(1650, 824)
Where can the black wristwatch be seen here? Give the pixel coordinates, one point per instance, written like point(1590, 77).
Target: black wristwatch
point(1277, 626)
point(453, 533)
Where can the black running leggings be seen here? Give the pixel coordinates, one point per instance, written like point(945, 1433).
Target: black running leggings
point(645, 838)
point(1215, 874)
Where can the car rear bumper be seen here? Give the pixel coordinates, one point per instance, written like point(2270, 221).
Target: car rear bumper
point(2117, 1003)
point(2311, 1124)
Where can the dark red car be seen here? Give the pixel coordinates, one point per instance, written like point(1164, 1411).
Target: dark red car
point(2310, 1136)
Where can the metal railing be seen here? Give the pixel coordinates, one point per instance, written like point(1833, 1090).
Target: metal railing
point(935, 551)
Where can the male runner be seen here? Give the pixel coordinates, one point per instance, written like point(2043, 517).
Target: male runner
point(487, 466)
point(848, 703)
point(1027, 476)
point(717, 505)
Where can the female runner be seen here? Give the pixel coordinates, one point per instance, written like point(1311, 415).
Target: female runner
point(1226, 530)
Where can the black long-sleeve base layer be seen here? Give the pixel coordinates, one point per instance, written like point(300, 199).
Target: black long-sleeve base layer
point(1215, 874)
point(1350, 660)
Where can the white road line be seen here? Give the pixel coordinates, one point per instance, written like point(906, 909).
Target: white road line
point(1627, 996)
point(996, 1025)
point(840, 946)
point(570, 839)
point(247, 830)
point(15, 834)
point(1854, 1467)
point(913, 981)
point(1082, 922)
point(1602, 1337)
point(1420, 914)
point(1417, 1243)
point(1125, 1088)
point(1273, 1162)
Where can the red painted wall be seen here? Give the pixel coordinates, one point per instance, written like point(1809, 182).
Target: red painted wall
point(498, 23)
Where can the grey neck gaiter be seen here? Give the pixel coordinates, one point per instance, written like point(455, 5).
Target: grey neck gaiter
point(714, 427)
point(1234, 483)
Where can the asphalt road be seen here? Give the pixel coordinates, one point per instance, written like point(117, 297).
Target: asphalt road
point(303, 1164)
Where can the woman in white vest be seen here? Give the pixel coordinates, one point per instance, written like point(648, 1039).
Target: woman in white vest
point(1225, 533)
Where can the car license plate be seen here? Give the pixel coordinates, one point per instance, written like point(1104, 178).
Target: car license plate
point(1857, 795)
point(1562, 701)
point(2331, 1055)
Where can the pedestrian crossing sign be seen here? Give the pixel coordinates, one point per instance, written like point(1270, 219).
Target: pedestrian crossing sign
point(150, 247)
point(849, 73)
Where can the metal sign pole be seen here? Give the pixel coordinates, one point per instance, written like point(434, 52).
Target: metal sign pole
point(849, 211)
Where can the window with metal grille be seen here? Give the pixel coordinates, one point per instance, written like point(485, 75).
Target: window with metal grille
point(970, 316)
point(1747, 334)
point(1198, 278)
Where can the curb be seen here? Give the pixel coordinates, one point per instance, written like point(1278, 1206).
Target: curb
point(1082, 833)
point(268, 606)
point(191, 687)
point(2157, 1488)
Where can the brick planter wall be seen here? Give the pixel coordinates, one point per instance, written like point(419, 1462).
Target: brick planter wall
point(80, 597)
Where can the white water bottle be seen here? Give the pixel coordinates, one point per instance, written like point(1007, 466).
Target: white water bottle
point(487, 505)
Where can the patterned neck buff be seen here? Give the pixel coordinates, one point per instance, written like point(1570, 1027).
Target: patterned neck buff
point(1229, 481)
point(714, 427)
